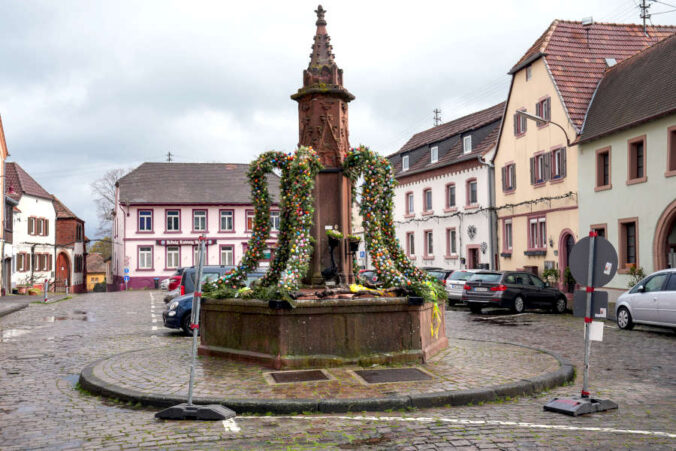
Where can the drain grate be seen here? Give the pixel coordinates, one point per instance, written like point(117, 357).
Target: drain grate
point(393, 375)
point(286, 377)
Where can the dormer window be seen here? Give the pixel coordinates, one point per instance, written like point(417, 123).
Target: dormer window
point(434, 154)
point(404, 163)
point(467, 144)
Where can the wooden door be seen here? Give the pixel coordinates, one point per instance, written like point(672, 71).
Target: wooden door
point(62, 273)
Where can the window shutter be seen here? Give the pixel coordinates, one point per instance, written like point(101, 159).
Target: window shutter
point(504, 178)
point(548, 164)
point(516, 124)
point(538, 109)
point(512, 169)
point(46, 227)
point(563, 162)
point(30, 225)
point(49, 265)
point(548, 108)
point(532, 170)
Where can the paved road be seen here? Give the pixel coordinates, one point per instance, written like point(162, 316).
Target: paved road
point(44, 347)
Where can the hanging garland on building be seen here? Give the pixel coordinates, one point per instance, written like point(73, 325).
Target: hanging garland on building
point(296, 210)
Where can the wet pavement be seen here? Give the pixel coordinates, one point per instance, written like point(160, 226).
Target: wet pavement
point(43, 348)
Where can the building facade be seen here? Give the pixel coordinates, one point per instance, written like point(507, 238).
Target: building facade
point(70, 270)
point(5, 219)
point(96, 271)
point(444, 193)
point(162, 209)
point(628, 162)
point(536, 162)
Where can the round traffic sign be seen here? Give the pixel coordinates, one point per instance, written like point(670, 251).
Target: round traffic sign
point(605, 262)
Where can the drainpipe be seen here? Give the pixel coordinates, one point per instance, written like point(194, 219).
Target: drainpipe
point(491, 203)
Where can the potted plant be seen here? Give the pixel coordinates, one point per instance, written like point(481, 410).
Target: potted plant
point(334, 237)
point(551, 275)
point(353, 241)
point(636, 274)
point(569, 279)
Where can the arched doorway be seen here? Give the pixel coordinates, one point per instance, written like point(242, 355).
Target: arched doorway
point(664, 243)
point(566, 243)
point(62, 272)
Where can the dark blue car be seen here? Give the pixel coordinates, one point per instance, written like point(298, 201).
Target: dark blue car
point(177, 314)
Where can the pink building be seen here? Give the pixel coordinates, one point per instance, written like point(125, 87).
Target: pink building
point(161, 209)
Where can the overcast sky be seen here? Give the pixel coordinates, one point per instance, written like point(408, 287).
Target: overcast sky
point(86, 86)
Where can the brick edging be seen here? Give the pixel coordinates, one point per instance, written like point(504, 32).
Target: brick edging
point(93, 384)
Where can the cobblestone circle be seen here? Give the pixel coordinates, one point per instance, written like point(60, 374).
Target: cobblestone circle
point(44, 347)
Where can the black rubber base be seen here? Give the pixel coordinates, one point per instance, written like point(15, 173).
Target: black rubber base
point(212, 412)
point(579, 406)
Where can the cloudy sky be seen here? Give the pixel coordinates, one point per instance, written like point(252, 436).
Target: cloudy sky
point(87, 86)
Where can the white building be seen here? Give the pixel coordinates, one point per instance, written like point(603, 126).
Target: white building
point(442, 203)
point(34, 228)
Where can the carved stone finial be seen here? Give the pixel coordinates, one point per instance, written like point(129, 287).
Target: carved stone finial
point(320, 15)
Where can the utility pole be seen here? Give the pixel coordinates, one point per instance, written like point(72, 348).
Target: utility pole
point(437, 116)
point(644, 14)
point(169, 157)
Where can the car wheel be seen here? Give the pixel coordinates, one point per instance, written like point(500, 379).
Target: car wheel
point(560, 305)
point(624, 320)
point(475, 308)
point(519, 305)
point(185, 323)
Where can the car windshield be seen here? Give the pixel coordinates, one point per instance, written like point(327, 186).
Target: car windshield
point(485, 277)
point(460, 275)
point(437, 274)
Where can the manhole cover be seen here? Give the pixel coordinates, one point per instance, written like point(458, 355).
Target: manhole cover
point(286, 377)
point(393, 375)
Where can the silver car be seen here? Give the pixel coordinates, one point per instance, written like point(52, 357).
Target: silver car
point(455, 282)
point(652, 301)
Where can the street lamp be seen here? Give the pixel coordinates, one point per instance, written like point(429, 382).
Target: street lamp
point(533, 117)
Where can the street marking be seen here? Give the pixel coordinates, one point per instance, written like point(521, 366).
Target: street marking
point(230, 425)
point(481, 423)
point(514, 315)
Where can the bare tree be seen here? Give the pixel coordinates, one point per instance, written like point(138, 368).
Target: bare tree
point(104, 196)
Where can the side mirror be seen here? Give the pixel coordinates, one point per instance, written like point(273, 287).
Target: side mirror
point(641, 289)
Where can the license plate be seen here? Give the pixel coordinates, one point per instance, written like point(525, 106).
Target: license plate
point(480, 289)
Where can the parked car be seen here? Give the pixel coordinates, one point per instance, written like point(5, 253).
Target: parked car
point(652, 301)
point(177, 314)
point(455, 282)
point(187, 280)
point(439, 273)
point(511, 289)
point(171, 282)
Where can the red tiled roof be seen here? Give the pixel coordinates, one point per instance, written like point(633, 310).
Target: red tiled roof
point(639, 89)
point(95, 263)
point(62, 212)
point(22, 183)
point(576, 56)
point(463, 124)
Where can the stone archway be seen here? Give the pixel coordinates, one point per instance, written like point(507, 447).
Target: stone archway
point(666, 225)
point(566, 243)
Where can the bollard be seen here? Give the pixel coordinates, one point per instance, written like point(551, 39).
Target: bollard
point(45, 288)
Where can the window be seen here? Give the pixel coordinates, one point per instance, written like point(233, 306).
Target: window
point(537, 233)
point(637, 160)
point(410, 244)
point(671, 151)
point(471, 192)
point(199, 220)
point(539, 168)
point(655, 283)
point(507, 242)
point(429, 245)
point(603, 169)
point(409, 204)
point(543, 110)
point(172, 256)
point(40, 226)
point(145, 257)
point(529, 72)
point(404, 163)
point(173, 221)
point(558, 163)
point(467, 144)
point(22, 262)
point(145, 220)
point(31, 226)
point(196, 255)
point(249, 220)
point(451, 242)
point(227, 255)
point(628, 242)
point(427, 200)
point(274, 221)
point(519, 124)
point(434, 154)
point(450, 195)
point(671, 285)
point(509, 177)
point(227, 221)
point(600, 229)
point(79, 236)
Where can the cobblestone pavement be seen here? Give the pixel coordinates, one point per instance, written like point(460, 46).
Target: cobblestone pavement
point(44, 347)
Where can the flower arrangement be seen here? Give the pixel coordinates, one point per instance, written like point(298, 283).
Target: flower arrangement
point(335, 234)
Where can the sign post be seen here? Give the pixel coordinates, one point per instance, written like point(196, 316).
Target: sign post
point(593, 263)
point(126, 279)
point(190, 411)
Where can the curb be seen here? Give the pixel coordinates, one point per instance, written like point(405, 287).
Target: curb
point(565, 373)
point(12, 309)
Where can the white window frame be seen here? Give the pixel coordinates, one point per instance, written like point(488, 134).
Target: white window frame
point(229, 217)
point(173, 256)
point(145, 214)
point(434, 154)
point(453, 238)
point(467, 144)
point(411, 243)
point(229, 253)
point(199, 220)
point(274, 221)
point(250, 214)
point(476, 192)
point(427, 195)
point(508, 234)
point(410, 206)
point(542, 229)
point(404, 163)
point(451, 199)
point(429, 244)
point(145, 257)
point(173, 216)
